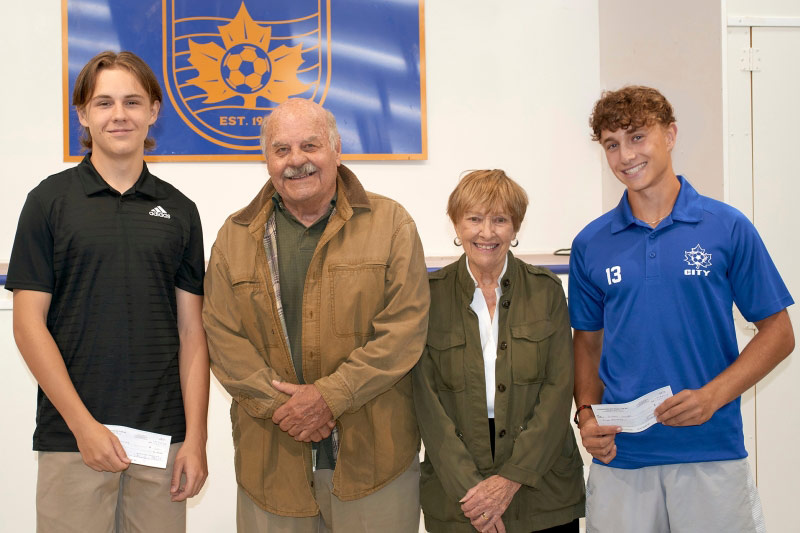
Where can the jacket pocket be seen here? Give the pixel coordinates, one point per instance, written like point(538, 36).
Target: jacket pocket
point(252, 305)
point(529, 350)
point(447, 351)
point(356, 295)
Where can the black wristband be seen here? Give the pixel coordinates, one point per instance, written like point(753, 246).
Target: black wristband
point(578, 410)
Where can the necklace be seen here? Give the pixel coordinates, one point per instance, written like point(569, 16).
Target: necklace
point(656, 221)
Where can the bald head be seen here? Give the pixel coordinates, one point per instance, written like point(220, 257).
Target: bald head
point(296, 109)
point(302, 150)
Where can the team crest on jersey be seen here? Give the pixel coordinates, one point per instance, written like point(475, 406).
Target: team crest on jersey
point(226, 65)
point(699, 259)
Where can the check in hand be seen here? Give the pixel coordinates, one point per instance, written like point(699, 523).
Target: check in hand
point(100, 449)
point(305, 416)
point(599, 440)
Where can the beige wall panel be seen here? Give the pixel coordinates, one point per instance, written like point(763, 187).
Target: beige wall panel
point(675, 47)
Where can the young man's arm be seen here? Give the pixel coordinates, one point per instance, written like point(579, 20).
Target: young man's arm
point(598, 440)
point(771, 345)
point(100, 449)
point(193, 362)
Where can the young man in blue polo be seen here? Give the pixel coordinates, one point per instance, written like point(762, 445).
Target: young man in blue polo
point(651, 290)
point(107, 273)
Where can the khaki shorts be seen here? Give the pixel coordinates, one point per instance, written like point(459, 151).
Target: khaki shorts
point(681, 498)
point(71, 497)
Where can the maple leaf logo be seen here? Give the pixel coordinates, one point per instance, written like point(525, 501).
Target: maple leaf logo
point(246, 67)
point(697, 257)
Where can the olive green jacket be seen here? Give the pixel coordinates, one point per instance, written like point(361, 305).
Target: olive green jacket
point(535, 445)
point(365, 314)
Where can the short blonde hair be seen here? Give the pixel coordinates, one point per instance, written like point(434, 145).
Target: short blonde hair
point(488, 189)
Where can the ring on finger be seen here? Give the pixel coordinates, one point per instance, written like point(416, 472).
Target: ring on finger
point(484, 516)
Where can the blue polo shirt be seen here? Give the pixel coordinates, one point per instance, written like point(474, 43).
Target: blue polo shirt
point(664, 299)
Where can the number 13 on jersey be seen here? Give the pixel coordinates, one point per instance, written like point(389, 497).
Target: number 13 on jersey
point(614, 275)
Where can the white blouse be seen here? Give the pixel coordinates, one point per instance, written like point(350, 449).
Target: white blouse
point(489, 332)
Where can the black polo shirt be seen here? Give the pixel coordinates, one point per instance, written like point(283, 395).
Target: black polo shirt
point(112, 263)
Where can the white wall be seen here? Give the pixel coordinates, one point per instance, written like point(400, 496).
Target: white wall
point(509, 85)
point(763, 8)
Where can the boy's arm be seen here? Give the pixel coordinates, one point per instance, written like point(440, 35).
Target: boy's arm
point(191, 460)
point(771, 345)
point(598, 440)
point(99, 447)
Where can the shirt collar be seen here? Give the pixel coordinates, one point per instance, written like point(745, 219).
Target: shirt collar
point(278, 201)
point(688, 208)
point(93, 183)
point(499, 278)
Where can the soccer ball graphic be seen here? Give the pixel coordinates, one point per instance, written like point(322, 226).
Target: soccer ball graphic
point(245, 68)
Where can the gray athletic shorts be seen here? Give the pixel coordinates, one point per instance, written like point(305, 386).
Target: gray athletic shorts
point(682, 498)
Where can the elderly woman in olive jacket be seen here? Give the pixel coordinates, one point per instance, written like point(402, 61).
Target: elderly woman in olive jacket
point(493, 388)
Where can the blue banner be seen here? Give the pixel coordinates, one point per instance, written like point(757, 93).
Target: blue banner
point(224, 65)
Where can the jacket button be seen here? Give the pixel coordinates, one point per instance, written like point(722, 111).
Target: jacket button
point(507, 304)
point(502, 433)
point(459, 434)
point(501, 388)
point(506, 282)
point(503, 345)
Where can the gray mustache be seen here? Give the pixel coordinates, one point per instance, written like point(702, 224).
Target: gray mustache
point(307, 168)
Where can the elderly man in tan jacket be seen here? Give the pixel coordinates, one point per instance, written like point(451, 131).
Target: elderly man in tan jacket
point(316, 309)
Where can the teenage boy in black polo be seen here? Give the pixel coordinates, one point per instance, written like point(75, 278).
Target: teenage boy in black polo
point(107, 274)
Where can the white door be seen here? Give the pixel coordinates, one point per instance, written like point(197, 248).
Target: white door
point(764, 182)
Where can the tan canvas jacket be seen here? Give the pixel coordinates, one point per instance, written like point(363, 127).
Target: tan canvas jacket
point(535, 445)
point(365, 317)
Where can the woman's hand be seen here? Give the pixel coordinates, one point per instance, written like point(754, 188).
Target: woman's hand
point(485, 503)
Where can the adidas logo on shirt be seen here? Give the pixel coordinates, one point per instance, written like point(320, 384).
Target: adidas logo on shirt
point(159, 211)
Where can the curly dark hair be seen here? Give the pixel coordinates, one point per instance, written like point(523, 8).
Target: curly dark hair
point(632, 106)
